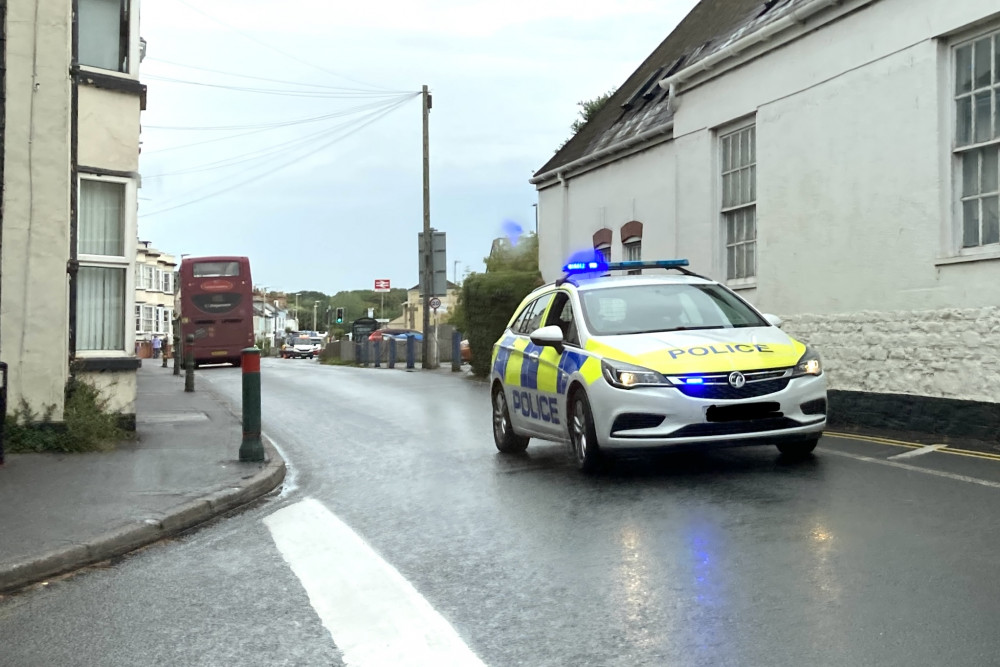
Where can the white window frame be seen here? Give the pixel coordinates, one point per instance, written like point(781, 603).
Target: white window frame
point(167, 282)
point(134, 47)
point(126, 261)
point(604, 249)
point(633, 243)
point(954, 250)
point(745, 205)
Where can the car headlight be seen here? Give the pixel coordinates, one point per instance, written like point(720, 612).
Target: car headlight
point(809, 364)
point(626, 376)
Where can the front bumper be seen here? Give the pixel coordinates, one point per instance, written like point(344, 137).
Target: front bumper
point(630, 418)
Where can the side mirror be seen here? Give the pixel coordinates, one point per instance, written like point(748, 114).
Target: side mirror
point(773, 320)
point(550, 336)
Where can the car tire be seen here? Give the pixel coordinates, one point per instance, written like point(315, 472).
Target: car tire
point(506, 440)
point(583, 434)
point(237, 362)
point(798, 450)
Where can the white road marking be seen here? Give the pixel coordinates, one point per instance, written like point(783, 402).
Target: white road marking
point(376, 617)
point(917, 452)
point(906, 466)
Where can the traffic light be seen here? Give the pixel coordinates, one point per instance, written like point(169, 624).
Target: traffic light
point(340, 316)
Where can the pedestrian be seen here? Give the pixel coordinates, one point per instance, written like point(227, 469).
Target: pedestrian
point(156, 347)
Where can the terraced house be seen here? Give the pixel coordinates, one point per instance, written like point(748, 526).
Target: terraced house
point(836, 162)
point(71, 105)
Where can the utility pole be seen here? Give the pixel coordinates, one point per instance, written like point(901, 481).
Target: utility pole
point(427, 250)
point(455, 271)
point(315, 328)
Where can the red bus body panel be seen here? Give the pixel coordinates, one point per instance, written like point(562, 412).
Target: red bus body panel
point(217, 307)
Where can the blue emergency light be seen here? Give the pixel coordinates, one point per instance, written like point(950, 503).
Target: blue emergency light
point(598, 266)
point(652, 264)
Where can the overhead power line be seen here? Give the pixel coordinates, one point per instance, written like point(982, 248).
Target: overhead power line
point(248, 76)
point(270, 169)
point(284, 92)
point(269, 151)
point(279, 123)
point(276, 49)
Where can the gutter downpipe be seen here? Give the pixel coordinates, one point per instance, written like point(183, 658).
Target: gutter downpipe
point(797, 16)
point(559, 172)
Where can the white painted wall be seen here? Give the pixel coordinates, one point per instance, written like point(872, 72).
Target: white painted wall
point(108, 123)
point(854, 128)
point(34, 319)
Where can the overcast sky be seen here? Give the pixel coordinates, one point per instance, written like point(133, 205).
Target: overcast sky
point(334, 203)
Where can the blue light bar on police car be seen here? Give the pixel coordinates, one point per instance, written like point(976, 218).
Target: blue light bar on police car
point(652, 264)
point(575, 267)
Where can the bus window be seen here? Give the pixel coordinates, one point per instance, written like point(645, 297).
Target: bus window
point(216, 269)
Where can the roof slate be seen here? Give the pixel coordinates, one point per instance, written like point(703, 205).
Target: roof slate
point(709, 27)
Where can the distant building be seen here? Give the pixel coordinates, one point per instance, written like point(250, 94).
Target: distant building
point(155, 282)
point(413, 312)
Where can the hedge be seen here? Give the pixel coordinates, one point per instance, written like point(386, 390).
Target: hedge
point(489, 300)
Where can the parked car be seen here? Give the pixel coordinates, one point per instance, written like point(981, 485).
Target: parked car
point(298, 348)
point(317, 342)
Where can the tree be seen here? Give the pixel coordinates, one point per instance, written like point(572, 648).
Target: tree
point(589, 109)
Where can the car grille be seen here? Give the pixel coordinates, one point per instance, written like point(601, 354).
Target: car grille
point(734, 428)
point(715, 386)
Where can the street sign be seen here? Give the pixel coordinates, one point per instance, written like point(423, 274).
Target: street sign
point(381, 285)
point(435, 303)
point(439, 264)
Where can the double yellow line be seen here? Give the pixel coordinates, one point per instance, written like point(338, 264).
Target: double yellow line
point(912, 445)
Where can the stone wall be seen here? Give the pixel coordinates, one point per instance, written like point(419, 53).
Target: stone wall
point(935, 353)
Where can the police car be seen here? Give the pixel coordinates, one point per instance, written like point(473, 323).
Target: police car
point(633, 362)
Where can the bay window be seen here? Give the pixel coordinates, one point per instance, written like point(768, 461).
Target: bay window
point(102, 283)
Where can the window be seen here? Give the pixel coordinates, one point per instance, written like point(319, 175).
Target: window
point(605, 250)
point(167, 282)
point(149, 277)
point(739, 202)
point(561, 315)
point(977, 139)
point(101, 297)
point(632, 252)
point(138, 318)
point(216, 269)
point(148, 318)
point(531, 318)
point(104, 27)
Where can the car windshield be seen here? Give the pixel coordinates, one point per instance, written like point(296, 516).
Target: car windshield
point(632, 309)
point(302, 341)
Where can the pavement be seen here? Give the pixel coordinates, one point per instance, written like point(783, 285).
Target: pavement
point(61, 512)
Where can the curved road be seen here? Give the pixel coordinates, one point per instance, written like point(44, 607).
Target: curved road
point(403, 537)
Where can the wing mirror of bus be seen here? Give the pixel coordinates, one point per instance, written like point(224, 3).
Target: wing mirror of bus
point(550, 336)
point(773, 320)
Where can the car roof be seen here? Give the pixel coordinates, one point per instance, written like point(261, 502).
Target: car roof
point(600, 282)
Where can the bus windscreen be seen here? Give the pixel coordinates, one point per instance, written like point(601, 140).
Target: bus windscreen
point(215, 269)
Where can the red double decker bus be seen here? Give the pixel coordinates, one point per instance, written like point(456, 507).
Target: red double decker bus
point(216, 296)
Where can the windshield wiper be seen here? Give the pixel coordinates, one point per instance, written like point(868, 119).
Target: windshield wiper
point(679, 329)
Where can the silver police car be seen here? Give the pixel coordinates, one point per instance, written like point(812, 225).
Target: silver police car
point(632, 362)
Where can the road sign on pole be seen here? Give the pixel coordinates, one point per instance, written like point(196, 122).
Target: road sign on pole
point(439, 264)
point(435, 303)
point(381, 285)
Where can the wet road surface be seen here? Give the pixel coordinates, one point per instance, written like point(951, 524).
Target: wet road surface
point(734, 557)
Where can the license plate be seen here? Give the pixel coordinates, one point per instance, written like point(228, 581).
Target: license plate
point(744, 412)
point(219, 353)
